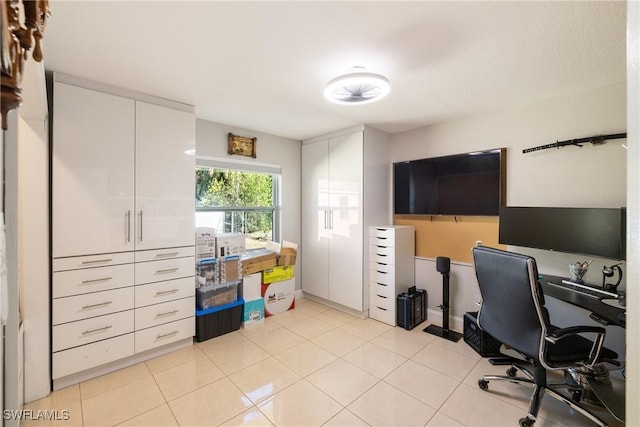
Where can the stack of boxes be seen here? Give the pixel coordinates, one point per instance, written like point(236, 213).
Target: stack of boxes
point(218, 277)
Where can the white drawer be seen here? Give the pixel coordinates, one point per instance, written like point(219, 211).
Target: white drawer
point(160, 254)
point(154, 293)
point(75, 282)
point(376, 276)
point(156, 271)
point(91, 330)
point(382, 267)
point(383, 315)
point(84, 306)
point(382, 258)
point(388, 291)
point(388, 233)
point(158, 314)
point(89, 356)
point(164, 334)
point(73, 263)
point(388, 251)
point(385, 301)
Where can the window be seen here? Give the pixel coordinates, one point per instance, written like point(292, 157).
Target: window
point(238, 197)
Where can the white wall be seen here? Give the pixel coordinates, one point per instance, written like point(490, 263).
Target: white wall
point(211, 140)
point(591, 176)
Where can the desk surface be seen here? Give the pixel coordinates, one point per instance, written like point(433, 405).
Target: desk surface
point(604, 311)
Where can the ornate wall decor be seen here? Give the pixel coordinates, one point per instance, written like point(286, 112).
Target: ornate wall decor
point(16, 40)
point(242, 145)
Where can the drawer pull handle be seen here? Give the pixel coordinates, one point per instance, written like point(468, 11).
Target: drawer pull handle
point(382, 255)
point(103, 279)
point(97, 261)
point(170, 291)
point(166, 335)
point(167, 270)
point(167, 254)
point(381, 284)
point(382, 263)
point(381, 238)
point(97, 305)
point(381, 272)
point(104, 328)
point(384, 309)
point(382, 296)
point(167, 313)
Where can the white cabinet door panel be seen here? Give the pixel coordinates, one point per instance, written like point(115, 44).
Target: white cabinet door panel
point(93, 172)
point(165, 177)
point(346, 244)
point(315, 217)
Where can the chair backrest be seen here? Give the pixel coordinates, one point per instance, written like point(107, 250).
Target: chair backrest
point(512, 308)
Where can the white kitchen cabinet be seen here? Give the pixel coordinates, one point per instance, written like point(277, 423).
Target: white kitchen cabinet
point(391, 268)
point(123, 217)
point(345, 182)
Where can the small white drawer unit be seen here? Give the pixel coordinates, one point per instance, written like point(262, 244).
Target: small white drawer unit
point(391, 268)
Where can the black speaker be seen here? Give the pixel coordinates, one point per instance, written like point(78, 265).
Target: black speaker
point(443, 264)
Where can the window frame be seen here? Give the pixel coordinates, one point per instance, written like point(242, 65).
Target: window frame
point(252, 167)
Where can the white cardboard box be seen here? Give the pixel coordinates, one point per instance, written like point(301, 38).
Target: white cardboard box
point(251, 286)
point(230, 244)
point(279, 297)
point(205, 243)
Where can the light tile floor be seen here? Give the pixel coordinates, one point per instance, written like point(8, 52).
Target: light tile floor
point(311, 366)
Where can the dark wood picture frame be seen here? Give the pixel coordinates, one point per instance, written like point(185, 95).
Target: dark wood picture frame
point(242, 145)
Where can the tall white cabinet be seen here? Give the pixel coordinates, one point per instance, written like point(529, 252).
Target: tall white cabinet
point(345, 188)
point(122, 228)
point(391, 268)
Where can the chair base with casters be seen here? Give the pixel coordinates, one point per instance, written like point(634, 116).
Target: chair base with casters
point(536, 376)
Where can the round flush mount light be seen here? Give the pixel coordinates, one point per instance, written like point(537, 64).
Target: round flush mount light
point(357, 87)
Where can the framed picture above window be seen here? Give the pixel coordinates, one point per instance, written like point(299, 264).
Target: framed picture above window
point(242, 145)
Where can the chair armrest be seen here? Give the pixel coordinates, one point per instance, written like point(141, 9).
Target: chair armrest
point(560, 333)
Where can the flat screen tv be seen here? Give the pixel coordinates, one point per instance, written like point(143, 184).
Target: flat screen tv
point(460, 184)
point(598, 232)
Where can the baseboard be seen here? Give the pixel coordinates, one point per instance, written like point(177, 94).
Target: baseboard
point(455, 323)
point(360, 314)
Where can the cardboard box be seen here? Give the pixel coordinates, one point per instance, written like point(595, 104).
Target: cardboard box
point(253, 312)
point(209, 296)
point(257, 260)
point(205, 243)
point(278, 297)
point(252, 286)
point(207, 272)
point(286, 252)
point(230, 244)
point(277, 273)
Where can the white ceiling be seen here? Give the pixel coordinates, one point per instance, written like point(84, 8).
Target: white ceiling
point(263, 65)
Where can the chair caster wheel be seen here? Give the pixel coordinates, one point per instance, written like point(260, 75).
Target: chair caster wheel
point(576, 395)
point(483, 384)
point(526, 422)
point(511, 372)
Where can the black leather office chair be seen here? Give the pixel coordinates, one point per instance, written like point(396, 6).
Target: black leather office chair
point(513, 312)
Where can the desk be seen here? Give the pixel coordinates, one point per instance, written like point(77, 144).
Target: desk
point(611, 395)
point(605, 312)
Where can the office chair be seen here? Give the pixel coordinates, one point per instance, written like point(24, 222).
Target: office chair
point(513, 312)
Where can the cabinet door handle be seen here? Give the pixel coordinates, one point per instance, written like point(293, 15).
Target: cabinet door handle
point(166, 335)
point(128, 226)
point(167, 270)
point(102, 279)
point(325, 220)
point(140, 215)
point(167, 313)
point(97, 261)
point(167, 254)
point(170, 291)
point(331, 219)
point(97, 305)
point(104, 328)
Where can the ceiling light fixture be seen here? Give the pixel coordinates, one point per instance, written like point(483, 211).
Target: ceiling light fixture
point(357, 87)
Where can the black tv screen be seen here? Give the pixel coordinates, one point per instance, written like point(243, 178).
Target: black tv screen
point(587, 231)
point(461, 184)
